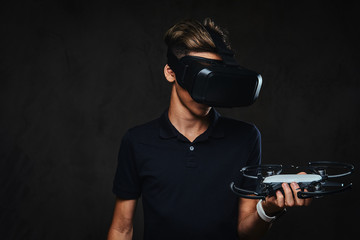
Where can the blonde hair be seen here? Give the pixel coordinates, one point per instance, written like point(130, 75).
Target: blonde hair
point(190, 35)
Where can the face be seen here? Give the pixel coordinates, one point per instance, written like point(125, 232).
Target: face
point(180, 96)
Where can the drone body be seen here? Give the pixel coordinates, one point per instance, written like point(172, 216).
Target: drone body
point(289, 178)
point(314, 184)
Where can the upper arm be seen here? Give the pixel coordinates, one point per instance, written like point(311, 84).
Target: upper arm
point(127, 182)
point(123, 214)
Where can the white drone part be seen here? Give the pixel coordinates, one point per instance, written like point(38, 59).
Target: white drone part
point(289, 178)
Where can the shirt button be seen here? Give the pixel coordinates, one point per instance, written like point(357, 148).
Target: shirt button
point(191, 148)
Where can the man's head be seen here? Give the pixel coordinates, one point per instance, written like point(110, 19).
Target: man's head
point(201, 61)
point(190, 37)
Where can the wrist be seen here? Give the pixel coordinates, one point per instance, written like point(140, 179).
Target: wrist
point(271, 216)
point(270, 209)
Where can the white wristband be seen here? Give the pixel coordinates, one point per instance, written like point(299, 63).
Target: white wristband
point(262, 213)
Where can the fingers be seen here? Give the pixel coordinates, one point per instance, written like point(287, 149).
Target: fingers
point(307, 201)
point(280, 200)
point(289, 198)
point(296, 188)
point(274, 204)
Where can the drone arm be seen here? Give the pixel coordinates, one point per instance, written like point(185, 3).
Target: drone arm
point(245, 193)
point(303, 194)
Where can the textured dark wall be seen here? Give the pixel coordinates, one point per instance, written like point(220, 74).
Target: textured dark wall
point(76, 74)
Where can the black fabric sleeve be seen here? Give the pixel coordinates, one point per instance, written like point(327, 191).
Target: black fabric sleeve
point(253, 159)
point(126, 183)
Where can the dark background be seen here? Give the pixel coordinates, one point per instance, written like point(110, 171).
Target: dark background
point(75, 75)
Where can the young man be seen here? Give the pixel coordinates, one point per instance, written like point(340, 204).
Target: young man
point(182, 164)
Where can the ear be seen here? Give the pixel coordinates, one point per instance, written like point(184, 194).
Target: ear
point(169, 74)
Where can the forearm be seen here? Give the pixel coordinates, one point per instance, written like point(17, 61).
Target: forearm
point(122, 224)
point(120, 234)
point(252, 227)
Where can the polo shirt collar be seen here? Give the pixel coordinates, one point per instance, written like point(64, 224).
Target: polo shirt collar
point(167, 130)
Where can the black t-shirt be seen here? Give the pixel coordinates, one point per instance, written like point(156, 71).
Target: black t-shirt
point(185, 186)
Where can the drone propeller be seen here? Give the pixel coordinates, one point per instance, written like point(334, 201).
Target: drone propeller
point(322, 168)
point(270, 169)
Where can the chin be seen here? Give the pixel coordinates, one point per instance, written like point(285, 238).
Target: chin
point(200, 110)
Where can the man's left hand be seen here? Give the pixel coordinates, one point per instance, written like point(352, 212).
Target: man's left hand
point(274, 204)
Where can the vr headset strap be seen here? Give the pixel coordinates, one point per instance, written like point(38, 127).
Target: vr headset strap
point(226, 54)
point(177, 67)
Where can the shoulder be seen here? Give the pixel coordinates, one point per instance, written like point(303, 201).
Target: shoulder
point(143, 131)
point(234, 127)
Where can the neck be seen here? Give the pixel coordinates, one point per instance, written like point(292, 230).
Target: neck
point(189, 122)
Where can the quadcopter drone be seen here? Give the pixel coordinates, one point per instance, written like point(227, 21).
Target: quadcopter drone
point(314, 184)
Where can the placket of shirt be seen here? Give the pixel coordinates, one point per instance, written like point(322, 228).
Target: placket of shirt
point(191, 161)
point(191, 149)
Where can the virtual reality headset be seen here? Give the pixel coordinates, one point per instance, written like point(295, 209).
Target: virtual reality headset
point(216, 83)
